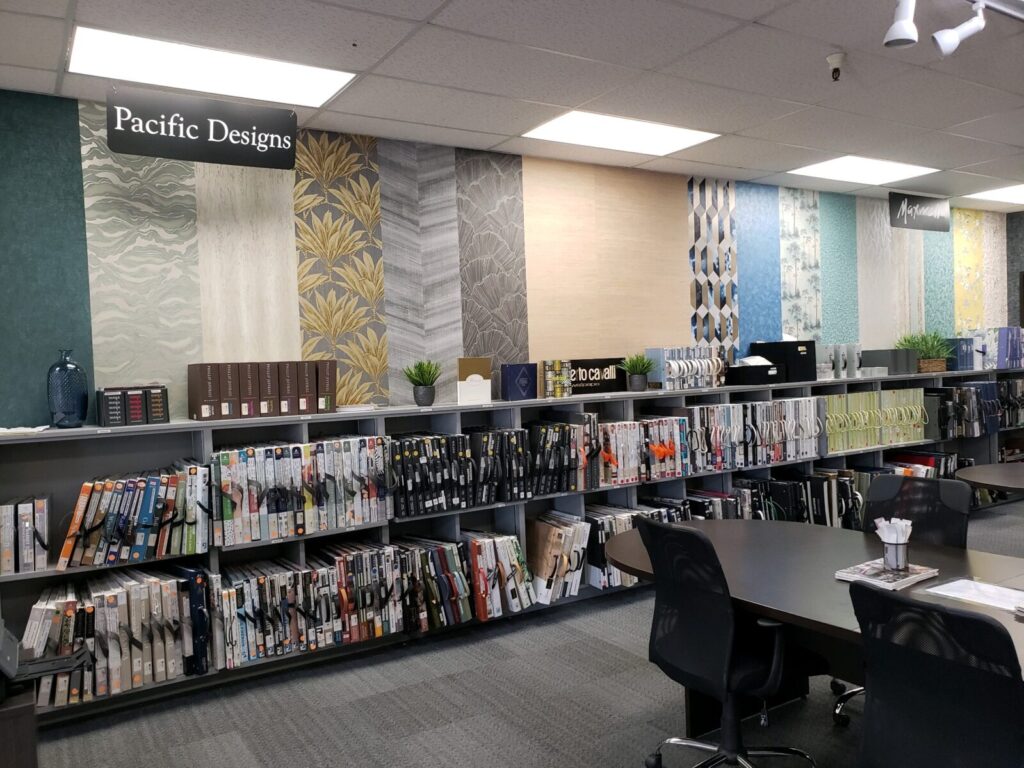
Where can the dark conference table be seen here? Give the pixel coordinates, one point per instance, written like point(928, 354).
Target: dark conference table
point(786, 571)
point(995, 477)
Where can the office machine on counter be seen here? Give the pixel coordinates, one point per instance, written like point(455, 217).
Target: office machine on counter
point(754, 370)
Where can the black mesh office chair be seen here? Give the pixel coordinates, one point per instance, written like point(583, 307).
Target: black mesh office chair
point(697, 640)
point(939, 510)
point(943, 685)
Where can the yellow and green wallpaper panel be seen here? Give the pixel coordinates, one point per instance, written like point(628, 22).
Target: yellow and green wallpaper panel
point(968, 270)
point(341, 267)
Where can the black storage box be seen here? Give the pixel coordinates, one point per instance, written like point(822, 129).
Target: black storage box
point(754, 375)
point(797, 358)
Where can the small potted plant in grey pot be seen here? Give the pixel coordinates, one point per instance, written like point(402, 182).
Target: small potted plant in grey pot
point(637, 367)
point(423, 375)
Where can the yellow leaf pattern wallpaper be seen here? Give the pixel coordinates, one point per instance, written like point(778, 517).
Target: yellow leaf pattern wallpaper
point(341, 269)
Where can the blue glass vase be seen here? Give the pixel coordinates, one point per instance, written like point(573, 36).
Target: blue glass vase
point(67, 389)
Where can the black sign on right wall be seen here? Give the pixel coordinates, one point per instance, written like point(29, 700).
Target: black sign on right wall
point(915, 212)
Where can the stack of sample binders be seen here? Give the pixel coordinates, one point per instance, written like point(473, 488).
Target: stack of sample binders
point(972, 409)
point(1011, 403)
point(556, 547)
point(140, 629)
point(23, 535)
point(497, 570)
point(607, 520)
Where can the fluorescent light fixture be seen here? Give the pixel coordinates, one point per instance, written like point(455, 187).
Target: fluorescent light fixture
point(607, 132)
point(903, 31)
point(191, 68)
point(863, 170)
point(1013, 195)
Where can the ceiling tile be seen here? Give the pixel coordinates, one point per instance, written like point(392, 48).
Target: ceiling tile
point(1004, 128)
point(741, 9)
point(387, 97)
point(675, 101)
point(559, 151)
point(704, 170)
point(407, 9)
point(833, 131)
point(443, 57)
point(926, 98)
point(1004, 167)
point(741, 152)
point(300, 31)
point(995, 63)
point(641, 33)
point(853, 25)
point(876, 192)
point(56, 8)
point(773, 62)
point(943, 150)
point(950, 183)
point(22, 79)
point(84, 87)
point(984, 205)
point(808, 182)
point(396, 129)
point(31, 41)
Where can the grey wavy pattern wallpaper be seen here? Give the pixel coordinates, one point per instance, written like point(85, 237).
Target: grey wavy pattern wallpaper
point(489, 189)
point(140, 226)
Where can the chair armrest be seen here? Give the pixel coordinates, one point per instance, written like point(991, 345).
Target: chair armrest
point(771, 685)
point(769, 623)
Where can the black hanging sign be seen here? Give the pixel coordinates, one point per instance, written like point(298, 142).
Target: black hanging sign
point(915, 212)
point(168, 125)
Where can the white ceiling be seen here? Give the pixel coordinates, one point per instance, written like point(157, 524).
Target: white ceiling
point(479, 73)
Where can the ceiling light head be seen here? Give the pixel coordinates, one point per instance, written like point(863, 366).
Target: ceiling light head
point(590, 129)
point(903, 31)
point(948, 40)
point(863, 170)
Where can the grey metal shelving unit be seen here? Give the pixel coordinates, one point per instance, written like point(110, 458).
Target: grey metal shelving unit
point(56, 462)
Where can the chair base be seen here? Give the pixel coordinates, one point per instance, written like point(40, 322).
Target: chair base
point(839, 716)
point(720, 758)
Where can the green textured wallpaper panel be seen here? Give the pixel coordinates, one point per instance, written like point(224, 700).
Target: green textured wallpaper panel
point(840, 322)
point(44, 271)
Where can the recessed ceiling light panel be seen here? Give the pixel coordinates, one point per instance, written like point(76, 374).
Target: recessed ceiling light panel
point(1013, 195)
point(607, 132)
point(176, 65)
point(863, 170)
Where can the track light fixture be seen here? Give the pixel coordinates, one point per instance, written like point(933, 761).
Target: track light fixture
point(903, 31)
point(948, 40)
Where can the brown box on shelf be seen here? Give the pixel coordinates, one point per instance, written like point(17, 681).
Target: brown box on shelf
point(110, 407)
point(229, 400)
point(326, 385)
point(203, 391)
point(306, 385)
point(248, 390)
point(157, 409)
point(268, 389)
point(287, 388)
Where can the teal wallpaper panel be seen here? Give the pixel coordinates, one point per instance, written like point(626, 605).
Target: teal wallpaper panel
point(938, 282)
point(44, 293)
point(839, 317)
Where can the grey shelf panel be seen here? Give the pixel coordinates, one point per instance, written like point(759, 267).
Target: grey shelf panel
point(84, 570)
point(877, 448)
point(314, 535)
point(94, 432)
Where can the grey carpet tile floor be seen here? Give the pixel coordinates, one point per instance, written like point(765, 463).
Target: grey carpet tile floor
point(569, 688)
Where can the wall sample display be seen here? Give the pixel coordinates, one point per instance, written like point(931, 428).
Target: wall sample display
point(714, 293)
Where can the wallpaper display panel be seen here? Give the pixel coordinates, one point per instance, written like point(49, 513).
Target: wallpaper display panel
point(968, 270)
point(838, 248)
point(800, 257)
point(421, 262)
point(606, 259)
point(993, 244)
point(890, 275)
point(140, 223)
point(1014, 265)
point(938, 283)
point(247, 263)
point(44, 293)
point(489, 191)
point(756, 225)
point(714, 292)
point(340, 267)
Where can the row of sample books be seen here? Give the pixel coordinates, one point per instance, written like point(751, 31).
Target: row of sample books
point(861, 420)
point(277, 491)
point(132, 519)
point(970, 409)
point(1011, 403)
point(143, 628)
point(607, 520)
point(139, 629)
point(247, 390)
point(23, 535)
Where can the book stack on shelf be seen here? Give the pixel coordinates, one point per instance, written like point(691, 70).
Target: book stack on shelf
point(24, 532)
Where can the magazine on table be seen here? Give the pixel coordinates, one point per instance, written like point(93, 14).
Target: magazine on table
point(874, 572)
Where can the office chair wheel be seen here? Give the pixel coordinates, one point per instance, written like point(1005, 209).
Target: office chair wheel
point(841, 719)
point(653, 760)
point(838, 689)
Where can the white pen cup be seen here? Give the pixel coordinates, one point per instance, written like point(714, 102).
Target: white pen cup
point(895, 557)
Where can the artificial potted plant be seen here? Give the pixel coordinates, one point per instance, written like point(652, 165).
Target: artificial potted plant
point(932, 350)
point(423, 375)
point(637, 367)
